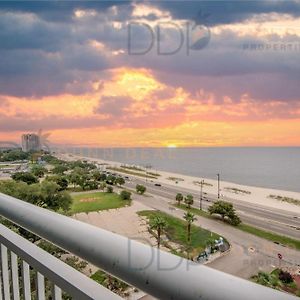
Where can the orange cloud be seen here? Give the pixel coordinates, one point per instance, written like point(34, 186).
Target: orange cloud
point(134, 108)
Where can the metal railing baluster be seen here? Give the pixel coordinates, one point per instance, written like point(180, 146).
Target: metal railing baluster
point(56, 292)
point(26, 280)
point(5, 274)
point(40, 286)
point(15, 276)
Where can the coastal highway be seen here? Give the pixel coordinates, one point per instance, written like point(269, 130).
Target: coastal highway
point(275, 220)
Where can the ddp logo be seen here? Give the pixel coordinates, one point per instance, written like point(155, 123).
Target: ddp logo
point(169, 37)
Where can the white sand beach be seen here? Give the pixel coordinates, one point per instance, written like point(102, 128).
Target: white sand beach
point(250, 194)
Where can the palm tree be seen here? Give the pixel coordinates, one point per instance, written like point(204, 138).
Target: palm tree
point(189, 200)
point(190, 218)
point(158, 224)
point(179, 198)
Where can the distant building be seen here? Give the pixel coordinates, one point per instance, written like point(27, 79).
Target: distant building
point(31, 142)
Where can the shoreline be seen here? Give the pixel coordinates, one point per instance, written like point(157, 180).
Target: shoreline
point(250, 194)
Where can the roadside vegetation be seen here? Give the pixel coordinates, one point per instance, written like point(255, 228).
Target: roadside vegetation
point(135, 168)
point(125, 171)
point(273, 237)
point(285, 199)
point(170, 231)
point(140, 189)
point(203, 183)
point(280, 280)
point(237, 191)
point(175, 179)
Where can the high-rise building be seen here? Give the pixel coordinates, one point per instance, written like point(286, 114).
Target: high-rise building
point(31, 142)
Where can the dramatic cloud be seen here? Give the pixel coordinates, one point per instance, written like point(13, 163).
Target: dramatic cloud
point(78, 65)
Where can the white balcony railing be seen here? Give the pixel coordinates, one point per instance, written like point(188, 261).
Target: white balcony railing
point(156, 272)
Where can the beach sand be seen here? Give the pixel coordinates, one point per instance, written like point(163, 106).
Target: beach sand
point(250, 194)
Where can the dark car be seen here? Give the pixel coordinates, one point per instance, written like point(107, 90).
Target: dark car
point(157, 184)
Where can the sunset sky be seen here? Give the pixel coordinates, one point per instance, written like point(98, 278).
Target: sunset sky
point(76, 70)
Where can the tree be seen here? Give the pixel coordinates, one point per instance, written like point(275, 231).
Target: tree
point(109, 189)
point(38, 171)
point(96, 175)
point(59, 169)
point(120, 181)
point(225, 209)
point(111, 179)
point(74, 178)
point(102, 177)
point(125, 195)
point(102, 186)
point(60, 180)
point(91, 184)
point(159, 224)
point(53, 198)
point(179, 198)
point(27, 177)
point(12, 155)
point(140, 189)
point(189, 200)
point(190, 218)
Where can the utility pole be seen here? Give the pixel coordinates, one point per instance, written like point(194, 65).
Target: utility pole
point(218, 185)
point(201, 193)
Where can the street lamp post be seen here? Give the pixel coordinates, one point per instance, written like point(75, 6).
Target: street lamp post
point(218, 185)
point(201, 194)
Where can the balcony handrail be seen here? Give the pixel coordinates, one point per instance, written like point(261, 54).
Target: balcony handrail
point(158, 273)
point(67, 278)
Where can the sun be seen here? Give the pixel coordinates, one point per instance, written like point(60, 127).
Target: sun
point(172, 146)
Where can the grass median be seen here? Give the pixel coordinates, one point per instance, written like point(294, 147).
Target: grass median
point(176, 232)
point(267, 235)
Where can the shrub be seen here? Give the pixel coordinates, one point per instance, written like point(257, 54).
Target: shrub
point(125, 195)
point(109, 189)
point(140, 189)
point(285, 277)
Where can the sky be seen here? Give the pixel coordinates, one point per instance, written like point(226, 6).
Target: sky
point(151, 73)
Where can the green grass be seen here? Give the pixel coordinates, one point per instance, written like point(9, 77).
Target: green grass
point(5, 166)
point(195, 211)
point(289, 242)
point(273, 237)
point(131, 172)
point(176, 232)
point(87, 202)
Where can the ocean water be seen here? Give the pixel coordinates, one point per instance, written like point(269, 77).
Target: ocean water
point(270, 167)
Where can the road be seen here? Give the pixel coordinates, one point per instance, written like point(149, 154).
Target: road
point(274, 220)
